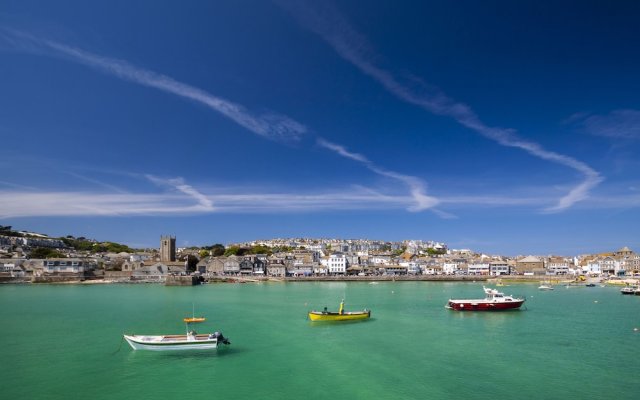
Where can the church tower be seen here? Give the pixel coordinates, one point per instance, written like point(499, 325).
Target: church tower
point(167, 248)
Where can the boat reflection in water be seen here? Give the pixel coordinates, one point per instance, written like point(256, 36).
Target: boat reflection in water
point(494, 301)
point(341, 315)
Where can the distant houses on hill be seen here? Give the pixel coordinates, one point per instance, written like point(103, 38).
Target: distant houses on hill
point(321, 257)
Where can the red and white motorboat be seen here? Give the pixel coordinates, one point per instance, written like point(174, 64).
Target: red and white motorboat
point(494, 301)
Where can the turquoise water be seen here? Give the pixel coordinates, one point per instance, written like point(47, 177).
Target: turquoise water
point(64, 341)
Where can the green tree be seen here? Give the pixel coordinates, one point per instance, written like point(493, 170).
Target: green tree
point(203, 253)
point(43, 252)
point(217, 250)
point(192, 262)
point(432, 251)
point(231, 251)
point(260, 250)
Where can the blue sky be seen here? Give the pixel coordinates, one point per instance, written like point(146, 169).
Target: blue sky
point(505, 127)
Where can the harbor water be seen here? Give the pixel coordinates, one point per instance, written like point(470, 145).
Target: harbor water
point(65, 342)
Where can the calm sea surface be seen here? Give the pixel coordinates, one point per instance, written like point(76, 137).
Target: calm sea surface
point(64, 342)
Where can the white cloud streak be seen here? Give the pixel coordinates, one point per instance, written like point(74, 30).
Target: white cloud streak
point(328, 23)
point(180, 201)
point(271, 126)
point(618, 124)
point(179, 184)
point(18, 204)
point(416, 186)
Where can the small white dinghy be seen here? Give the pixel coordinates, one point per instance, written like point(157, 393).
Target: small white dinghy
point(190, 341)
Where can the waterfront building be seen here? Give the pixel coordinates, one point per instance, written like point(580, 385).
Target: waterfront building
point(335, 263)
point(478, 268)
point(167, 248)
point(633, 264)
point(319, 269)
point(130, 265)
point(253, 265)
point(531, 266)
point(394, 269)
point(158, 271)
point(557, 266)
point(413, 268)
point(12, 268)
point(7, 265)
point(301, 270)
point(591, 266)
point(66, 266)
point(213, 265)
point(450, 267)
point(276, 267)
point(497, 268)
point(609, 265)
point(231, 265)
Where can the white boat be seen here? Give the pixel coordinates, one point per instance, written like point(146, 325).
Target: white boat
point(190, 341)
point(628, 290)
point(545, 287)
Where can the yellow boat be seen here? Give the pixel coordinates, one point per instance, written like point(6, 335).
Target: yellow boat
point(194, 319)
point(341, 315)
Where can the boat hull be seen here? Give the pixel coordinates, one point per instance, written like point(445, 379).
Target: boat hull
point(171, 342)
point(333, 316)
point(483, 305)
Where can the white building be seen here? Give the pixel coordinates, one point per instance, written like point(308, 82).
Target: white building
point(450, 268)
point(497, 268)
point(557, 266)
point(335, 263)
point(478, 269)
point(64, 265)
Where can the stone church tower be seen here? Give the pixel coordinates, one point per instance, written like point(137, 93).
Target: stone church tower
point(167, 248)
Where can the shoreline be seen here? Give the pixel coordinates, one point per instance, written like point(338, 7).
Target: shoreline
point(492, 280)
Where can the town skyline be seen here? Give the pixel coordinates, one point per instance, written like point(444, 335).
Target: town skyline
point(375, 245)
point(503, 128)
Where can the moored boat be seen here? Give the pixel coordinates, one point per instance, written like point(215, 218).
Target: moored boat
point(194, 319)
point(190, 341)
point(545, 286)
point(628, 290)
point(341, 315)
point(494, 301)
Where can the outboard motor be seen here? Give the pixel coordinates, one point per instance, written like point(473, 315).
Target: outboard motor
point(221, 338)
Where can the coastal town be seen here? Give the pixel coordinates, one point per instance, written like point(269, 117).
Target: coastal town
point(37, 258)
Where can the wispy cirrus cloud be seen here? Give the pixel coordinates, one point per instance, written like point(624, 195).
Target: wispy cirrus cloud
point(618, 124)
point(271, 126)
point(180, 202)
point(416, 186)
point(324, 20)
point(181, 198)
point(181, 186)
